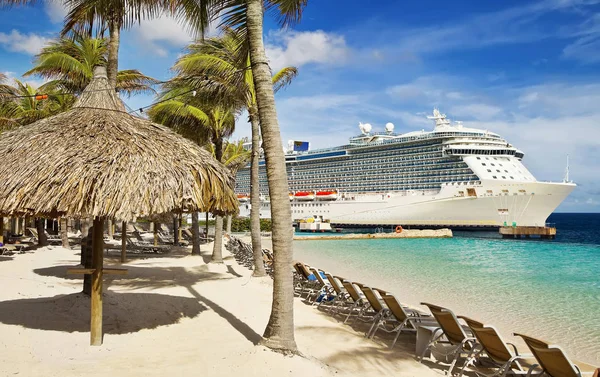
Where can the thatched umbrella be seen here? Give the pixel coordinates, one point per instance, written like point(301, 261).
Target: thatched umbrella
point(98, 160)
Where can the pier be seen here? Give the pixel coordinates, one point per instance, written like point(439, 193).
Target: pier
point(406, 233)
point(543, 232)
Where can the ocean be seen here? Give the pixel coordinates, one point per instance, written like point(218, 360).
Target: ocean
point(546, 289)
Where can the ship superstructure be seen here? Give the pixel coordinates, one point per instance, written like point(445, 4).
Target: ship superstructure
point(450, 176)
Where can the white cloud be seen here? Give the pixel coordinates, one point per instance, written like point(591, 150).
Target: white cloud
point(55, 10)
point(297, 48)
point(160, 35)
point(26, 43)
point(405, 91)
point(478, 111)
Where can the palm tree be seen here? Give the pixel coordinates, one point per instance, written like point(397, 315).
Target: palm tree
point(248, 15)
point(225, 61)
point(115, 15)
point(235, 157)
point(19, 105)
point(69, 64)
point(189, 117)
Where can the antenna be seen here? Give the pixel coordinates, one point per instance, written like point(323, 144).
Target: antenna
point(566, 179)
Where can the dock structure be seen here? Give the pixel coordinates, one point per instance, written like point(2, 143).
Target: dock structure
point(406, 233)
point(543, 232)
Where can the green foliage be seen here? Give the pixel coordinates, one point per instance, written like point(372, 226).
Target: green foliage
point(242, 224)
point(69, 65)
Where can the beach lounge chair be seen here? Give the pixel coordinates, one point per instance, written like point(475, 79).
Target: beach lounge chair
point(52, 239)
point(310, 283)
point(398, 319)
point(552, 359)
point(372, 312)
point(324, 291)
point(456, 339)
point(338, 296)
point(492, 349)
point(358, 300)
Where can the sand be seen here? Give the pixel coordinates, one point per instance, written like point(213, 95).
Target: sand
point(171, 315)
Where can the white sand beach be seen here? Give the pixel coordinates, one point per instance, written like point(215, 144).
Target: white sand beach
point(171, 315)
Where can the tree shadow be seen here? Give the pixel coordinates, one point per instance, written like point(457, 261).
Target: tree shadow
point(234, 321)
point(145, 278)
point(4, 258)
point(71, 313)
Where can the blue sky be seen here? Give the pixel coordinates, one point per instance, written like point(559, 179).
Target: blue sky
point(528, 70)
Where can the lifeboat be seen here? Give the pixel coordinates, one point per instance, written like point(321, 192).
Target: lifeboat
point(327, 195)
point(243, 198)
point(304, 195)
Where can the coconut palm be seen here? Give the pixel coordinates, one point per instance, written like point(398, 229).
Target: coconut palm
point(248, 15)
point(225, 61)
point(187, 116)
point(19, 105)
point(69, 64)
point(235, 157)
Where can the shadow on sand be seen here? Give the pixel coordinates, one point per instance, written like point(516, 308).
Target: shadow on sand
point(70, 313)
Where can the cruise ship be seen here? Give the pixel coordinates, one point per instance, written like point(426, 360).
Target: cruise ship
point(452, 176)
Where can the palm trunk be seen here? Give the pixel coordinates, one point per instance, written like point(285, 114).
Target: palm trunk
point(113, 53)
point(64, 227)
point(195, 234)
point(279, 333)
point(217, 255)
point(176, 230)
point(206, 225)
point(109, 226)
point(41, 230)
point(228, 226)
point(259, 265)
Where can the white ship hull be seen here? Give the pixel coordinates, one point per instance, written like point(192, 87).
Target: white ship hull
point(491, 204)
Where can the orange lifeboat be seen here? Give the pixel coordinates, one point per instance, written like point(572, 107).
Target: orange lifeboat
point(327, 195)
point(304, 195)
point(243, 198)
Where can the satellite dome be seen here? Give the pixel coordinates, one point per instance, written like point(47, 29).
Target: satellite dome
point(389, 127)
point(367, 127)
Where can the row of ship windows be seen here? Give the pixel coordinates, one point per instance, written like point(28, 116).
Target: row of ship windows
point(374, 157)
point(381, 181)
point(364, 177)
point(448, 167)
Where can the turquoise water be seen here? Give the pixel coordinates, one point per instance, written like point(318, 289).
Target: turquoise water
point(545, 289)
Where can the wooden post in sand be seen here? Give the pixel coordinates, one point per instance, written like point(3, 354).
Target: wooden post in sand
point(110, 228)
point(97, 271)
point(155, 233)
point(123, 241)
point(96, 299)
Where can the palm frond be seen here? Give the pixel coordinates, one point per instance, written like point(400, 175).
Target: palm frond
point(284, 78)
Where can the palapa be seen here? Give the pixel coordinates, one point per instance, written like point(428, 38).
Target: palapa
point(98, 160)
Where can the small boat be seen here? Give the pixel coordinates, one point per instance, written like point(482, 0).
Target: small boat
point(243, 198)
point(304, 195)
point(327, 195)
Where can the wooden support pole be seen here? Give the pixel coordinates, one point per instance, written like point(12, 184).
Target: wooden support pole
point(123, 242)
point(96, 298)
point(155, 233)
point(110, 228)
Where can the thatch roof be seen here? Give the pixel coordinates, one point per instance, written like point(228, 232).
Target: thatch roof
point(98, 160)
